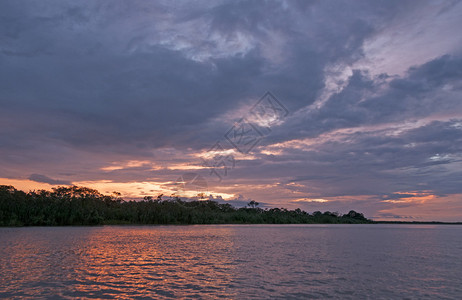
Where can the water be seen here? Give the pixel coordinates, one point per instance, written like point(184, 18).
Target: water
point(232, 261)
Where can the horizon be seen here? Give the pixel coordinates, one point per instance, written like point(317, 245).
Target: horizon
point(352, 106)
point(233, 203)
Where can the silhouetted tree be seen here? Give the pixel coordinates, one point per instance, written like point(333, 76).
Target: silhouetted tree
point(83, 206)
point(253, 204)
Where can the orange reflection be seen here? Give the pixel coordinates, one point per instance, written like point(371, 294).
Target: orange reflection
point(156, 261)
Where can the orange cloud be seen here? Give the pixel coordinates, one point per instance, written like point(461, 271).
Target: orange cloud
point(25, 184)
point(413, 196)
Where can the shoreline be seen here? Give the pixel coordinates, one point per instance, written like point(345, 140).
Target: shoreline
point(246, 224)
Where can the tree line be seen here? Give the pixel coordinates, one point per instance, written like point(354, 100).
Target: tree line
point(83, 206)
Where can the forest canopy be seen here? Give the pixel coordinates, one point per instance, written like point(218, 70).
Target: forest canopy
point(84, 206)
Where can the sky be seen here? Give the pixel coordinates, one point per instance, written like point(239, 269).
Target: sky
point(322, 105)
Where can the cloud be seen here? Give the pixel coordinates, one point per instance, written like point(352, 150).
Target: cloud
point(97, 77)
point(45, 179)
point(237, 202)
point(133, 92)
point(397, 217)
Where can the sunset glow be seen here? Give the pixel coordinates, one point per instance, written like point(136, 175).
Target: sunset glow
point(310, 105)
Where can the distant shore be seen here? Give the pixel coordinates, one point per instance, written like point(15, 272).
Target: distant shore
point(118, 223)
point(418, 222)
point(74, 205)
point(80, 206)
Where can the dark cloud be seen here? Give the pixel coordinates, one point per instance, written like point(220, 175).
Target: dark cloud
point(397, 217)
point(433, 88)
point(239, 201)
point(45, 179)
point(90, 84)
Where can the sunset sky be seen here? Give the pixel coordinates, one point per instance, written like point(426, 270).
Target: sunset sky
point(364, 110)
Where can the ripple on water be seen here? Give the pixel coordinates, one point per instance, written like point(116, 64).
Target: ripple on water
point(253, 262)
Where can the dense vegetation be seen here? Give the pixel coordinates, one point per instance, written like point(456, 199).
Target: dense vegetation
point(84, 206)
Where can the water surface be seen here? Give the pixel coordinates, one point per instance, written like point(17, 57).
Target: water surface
point(232, 261)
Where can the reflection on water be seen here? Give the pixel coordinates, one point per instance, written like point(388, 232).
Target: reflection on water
point(232, 261)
